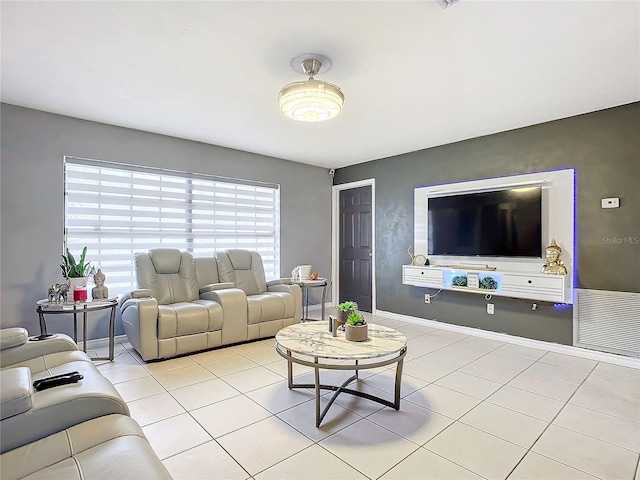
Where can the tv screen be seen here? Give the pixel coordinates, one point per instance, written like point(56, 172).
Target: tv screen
point(504, 223)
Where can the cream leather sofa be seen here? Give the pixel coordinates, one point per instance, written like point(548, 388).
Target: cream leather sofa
point(80, 430)
point(30, 415)
point(109, 447)
point(185, 305)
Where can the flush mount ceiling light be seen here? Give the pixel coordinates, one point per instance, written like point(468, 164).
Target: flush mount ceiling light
point(312, 100)
point(445, 3)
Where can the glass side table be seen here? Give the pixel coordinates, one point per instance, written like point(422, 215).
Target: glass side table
point(44, 307)
point(305, 285)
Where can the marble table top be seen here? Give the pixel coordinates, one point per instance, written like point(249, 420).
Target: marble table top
point(315, 339)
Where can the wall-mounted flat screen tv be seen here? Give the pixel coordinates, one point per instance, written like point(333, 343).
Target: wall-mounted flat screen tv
point(504, 223)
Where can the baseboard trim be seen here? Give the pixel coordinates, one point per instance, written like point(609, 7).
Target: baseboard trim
point(503, 337)
point(318, 306)
point(526, 342)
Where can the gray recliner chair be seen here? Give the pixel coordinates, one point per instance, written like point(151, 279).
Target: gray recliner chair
point(270, 305)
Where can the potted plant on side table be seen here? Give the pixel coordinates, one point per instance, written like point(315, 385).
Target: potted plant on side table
point(356, 328)
point(77, 273)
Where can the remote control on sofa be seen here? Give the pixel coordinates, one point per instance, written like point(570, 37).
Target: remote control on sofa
point(57, 380)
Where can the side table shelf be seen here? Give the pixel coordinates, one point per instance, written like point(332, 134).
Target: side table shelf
point(44, 307)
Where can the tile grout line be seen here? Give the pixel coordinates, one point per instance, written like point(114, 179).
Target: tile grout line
point(458, 369)
point(530, 449)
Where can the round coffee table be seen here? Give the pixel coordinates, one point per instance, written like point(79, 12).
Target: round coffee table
point(312, 344)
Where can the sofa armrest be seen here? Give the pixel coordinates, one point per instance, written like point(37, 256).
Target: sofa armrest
point(140, 322)
point(32, 349)
point(279, 281)
point(141, 293)
point(13, 337)
point(212, 287)
point(16, 391)
point(234, 311)
point(289, 288)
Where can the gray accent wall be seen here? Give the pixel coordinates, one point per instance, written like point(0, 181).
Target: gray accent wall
point(604, 149)
point(32, 210)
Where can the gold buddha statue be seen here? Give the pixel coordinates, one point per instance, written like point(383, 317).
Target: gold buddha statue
point(553, 265)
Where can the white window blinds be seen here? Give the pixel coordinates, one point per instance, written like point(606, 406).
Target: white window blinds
point(116, 210)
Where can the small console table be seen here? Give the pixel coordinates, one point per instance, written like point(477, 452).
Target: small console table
point(305, 285)
point(51, 308)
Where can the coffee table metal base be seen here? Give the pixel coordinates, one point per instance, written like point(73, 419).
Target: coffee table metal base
point(356, 366)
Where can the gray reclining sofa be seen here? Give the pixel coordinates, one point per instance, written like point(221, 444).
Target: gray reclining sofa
point(184, 305)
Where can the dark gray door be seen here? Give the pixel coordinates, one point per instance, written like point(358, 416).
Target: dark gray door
point(355, 254)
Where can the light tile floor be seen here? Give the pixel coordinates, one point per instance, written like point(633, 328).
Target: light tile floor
point(472, 408)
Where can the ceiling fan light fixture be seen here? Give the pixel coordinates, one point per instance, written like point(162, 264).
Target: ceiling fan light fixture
point(445, 3)
point(312, 100)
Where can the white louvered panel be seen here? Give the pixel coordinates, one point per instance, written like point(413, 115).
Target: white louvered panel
point(607, 321)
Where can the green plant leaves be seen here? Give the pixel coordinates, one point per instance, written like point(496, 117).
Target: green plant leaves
point(72, 269)
point(355, 319)
point(347, 306)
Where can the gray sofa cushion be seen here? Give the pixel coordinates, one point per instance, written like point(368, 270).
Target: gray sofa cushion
point(206, 271)
point(185, 318)
point(169, 274)
point(270, 306)
point(244, 269)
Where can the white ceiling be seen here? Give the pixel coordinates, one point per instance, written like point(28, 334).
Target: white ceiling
point(414, 75)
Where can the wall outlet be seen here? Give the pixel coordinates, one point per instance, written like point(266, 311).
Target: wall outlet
point(612, 202)
point(490, 308)
point(427, 298)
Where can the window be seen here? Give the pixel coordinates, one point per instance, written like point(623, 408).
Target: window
point(116, 210)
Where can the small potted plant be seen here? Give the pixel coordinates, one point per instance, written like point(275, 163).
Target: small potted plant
point(76, 272)
point(344, 309)
point(356, 328)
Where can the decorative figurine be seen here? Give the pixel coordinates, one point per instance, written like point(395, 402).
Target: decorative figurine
point(99, 291)
point(295, 274)
point(53, 292)
point(553, 265)
point(63, 293)
point(58, 293)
